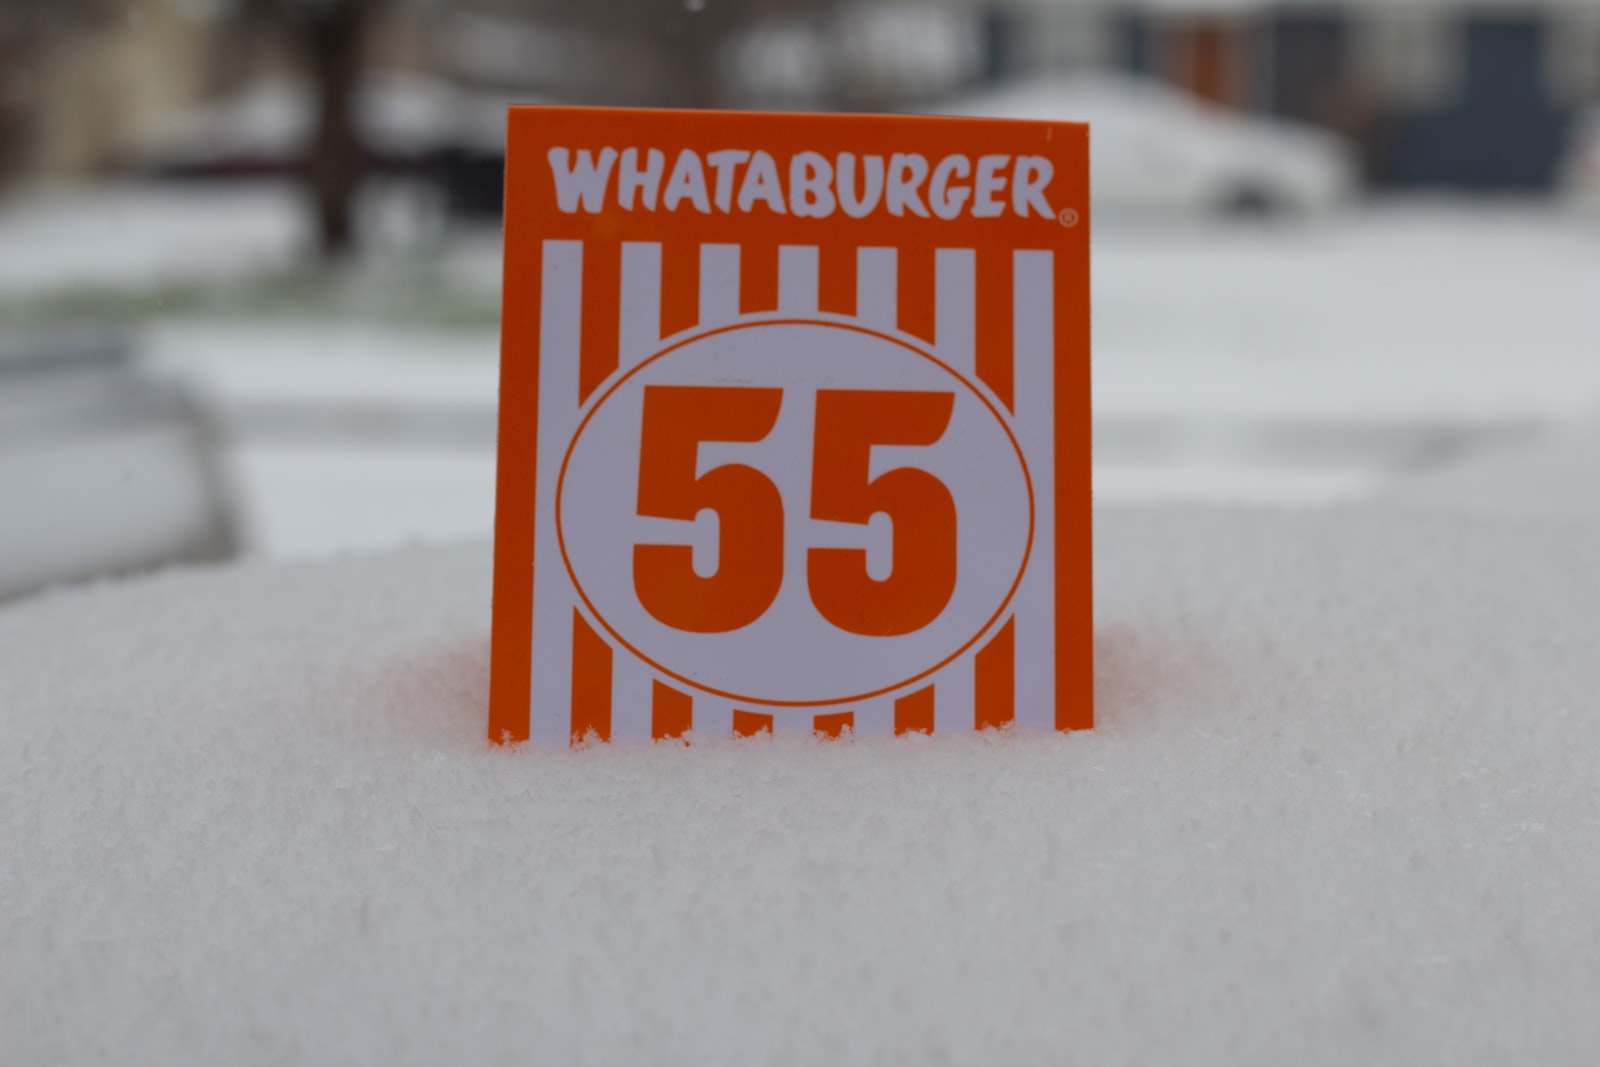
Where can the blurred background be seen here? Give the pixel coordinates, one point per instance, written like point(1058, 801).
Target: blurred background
point(250, 256)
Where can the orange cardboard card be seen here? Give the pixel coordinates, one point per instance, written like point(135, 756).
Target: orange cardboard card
point(794, 426)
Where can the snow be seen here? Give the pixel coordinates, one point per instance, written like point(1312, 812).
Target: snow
point(154, 239)
point(1340, 807)
point(345, 436)
point(1403, 312)
point(1552, 476)
point(121, 237)
point(239, 366)
point(329, 497)
point(1341, 804)
point(1199, 480)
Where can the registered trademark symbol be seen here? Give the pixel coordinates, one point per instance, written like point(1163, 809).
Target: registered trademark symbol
point(1068, 217)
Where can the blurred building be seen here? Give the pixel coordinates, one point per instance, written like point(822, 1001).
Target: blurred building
point(1460, 93)
point(1463, 93)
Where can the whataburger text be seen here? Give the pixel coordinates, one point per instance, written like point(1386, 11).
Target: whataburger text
point(808, 185)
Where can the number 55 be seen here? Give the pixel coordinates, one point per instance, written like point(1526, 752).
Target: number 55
point(750, 509)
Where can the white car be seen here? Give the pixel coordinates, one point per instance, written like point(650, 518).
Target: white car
point(1153, 148)
point(1579, 176)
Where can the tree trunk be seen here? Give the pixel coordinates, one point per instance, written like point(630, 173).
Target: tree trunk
point(333, 38)
point(15, 70)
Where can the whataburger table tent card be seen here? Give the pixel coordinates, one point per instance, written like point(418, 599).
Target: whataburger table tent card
point(794, 426)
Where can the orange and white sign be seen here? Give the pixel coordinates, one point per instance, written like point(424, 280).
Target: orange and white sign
point(794, 426)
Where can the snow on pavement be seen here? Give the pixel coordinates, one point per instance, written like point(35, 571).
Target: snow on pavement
point(1342, 806)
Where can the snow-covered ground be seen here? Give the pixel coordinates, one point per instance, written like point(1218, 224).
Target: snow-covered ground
point(1340, 807)
point(1554, 475)
point(346, 436)
point(134, 236)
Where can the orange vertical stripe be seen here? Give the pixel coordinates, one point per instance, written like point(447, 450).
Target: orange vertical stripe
point(913, 713)
point(834, 724)
point(591, 682)
point(750, 723)
point(511, 645)
point(1074, 540)
point(836, 279)
point(680, 286)
point(996, 678)
point(915, 297)
point(671, 711)
point(758, 277)
point(996, 358)
point(600, 318)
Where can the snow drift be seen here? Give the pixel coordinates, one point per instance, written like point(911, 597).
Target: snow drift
point(1342, 807)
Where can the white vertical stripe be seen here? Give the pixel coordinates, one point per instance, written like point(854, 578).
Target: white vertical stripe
point(874, 718)
point(1033, 318)
point(632, 694)
point(640, 329)
point(713, 717)
point(955, 310)
point(797, 279)
point(719, 284)
point(792, 722)
point(877, 286)
point(561, 298)
point(955, 700)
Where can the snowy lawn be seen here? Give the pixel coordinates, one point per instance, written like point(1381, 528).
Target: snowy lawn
point(135, 236)
point(1554, 476)
point(1341, 807)
point(1295, 363)
point(240, 251)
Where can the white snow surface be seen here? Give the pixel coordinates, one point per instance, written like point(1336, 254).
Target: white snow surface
point(1552, 476)
point(1342, 805)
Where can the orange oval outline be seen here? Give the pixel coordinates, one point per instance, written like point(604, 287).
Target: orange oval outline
point(1022, 460)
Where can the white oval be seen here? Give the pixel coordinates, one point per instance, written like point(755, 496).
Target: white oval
point(792, 655)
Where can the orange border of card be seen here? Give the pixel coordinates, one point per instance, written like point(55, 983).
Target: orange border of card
point(681, 216)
